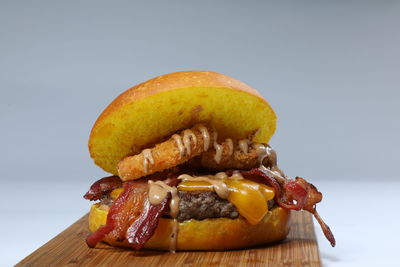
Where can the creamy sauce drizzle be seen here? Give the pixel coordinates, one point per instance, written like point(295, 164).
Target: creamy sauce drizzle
point(221, 175)
point(244, 145)
point(218, 185)
point(205, 134)
point(147, 158)
point(236, 175)
point(261, 151)
point(159, 190)
point(174, 236)
point(188, 137)
point(218, 149)
point(185, 143)
point(278, 172)
point(265, 151)
point(218, 152)
point(275, 172)
point(178, 141)
point(271, 154)
point(230, 146)
point(216, 181)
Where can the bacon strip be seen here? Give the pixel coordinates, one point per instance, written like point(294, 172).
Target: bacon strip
point(99, 235)
point(122, 213)
point(103, 187)
point(127, 208)
point(295, 194)
point(144, 227)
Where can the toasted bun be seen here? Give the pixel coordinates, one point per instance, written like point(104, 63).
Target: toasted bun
point(208, 234)
point(159, 107)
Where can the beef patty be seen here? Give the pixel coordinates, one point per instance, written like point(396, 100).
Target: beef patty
point(200, 205)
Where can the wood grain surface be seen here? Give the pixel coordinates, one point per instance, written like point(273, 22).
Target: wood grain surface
point(69, 249)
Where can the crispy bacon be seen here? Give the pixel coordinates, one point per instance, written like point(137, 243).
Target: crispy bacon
point(99, 235)
point(125, 209)
point(128, 207)
point(103, 187)
point(144, 227)
point(295, 194)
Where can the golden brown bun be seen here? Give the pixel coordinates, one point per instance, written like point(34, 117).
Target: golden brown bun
point(155, 109)
point(209, 234)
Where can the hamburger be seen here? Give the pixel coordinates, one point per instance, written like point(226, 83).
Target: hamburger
point(191, 168)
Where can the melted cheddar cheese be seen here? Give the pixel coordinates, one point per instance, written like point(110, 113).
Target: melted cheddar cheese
point(115, 193)
point(250, 198)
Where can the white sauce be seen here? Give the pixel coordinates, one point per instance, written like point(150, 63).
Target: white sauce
point(218, 152)
point(244, 145)
point(236, 176)
point(218, 149)
point(276, 174)
point(271, 154)
point(221, 175)
point(178, 141)
point(218, 185)
point(261, 151)
point(174, 236)
point(230, 146)
point(147, 158)
point(206, 136)
point(159, 190)
point(188, 138)
point(217, 181)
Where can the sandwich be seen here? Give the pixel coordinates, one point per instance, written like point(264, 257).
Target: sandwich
point(191, 168)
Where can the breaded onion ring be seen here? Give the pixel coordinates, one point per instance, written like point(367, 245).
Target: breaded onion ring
point(175, 151)
point(232, 157)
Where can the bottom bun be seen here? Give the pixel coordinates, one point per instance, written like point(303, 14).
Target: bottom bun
point(208, 234)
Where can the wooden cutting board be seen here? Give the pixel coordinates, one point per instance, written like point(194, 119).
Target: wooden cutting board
point(69, 249)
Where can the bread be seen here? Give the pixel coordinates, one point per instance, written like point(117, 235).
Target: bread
point(155, 109)
point(208, 234)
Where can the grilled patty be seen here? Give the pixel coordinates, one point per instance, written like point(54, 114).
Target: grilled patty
point(201, 205)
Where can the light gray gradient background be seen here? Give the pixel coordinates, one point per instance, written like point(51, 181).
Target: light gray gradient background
point(330, 69)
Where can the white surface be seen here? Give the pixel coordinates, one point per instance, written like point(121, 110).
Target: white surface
point(364, 220)
point(361, 215)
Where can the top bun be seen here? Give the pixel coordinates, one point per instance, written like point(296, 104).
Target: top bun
point(153, 110)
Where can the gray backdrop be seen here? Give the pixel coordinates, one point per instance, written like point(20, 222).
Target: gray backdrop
point(330, 69)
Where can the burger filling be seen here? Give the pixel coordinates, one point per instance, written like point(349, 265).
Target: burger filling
point(195, 175)
point(200, 205)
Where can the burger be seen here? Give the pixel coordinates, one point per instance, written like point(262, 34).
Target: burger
point(191, 168)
